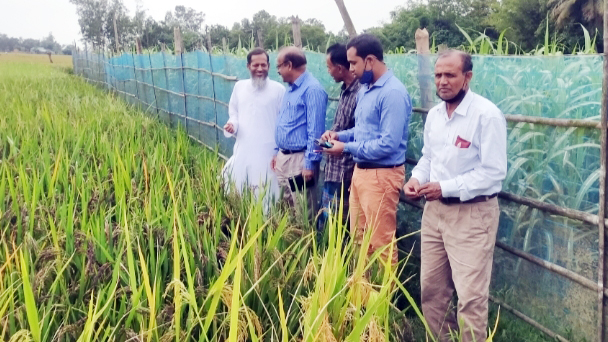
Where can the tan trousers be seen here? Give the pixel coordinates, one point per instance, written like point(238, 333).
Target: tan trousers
point(457, 250)
point(288, 166)
point(374, 196)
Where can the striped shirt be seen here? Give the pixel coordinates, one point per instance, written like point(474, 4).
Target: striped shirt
point(302, 118)
point(340, 168)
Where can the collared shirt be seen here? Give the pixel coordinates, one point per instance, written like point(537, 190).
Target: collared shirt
point(340, 168)
point(381, 123)
point(467, 153)
point(302, 118)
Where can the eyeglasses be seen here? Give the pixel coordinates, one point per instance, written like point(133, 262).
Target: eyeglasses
point(280, 65)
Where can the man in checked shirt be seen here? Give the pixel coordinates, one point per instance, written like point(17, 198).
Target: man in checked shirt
point(339, 169)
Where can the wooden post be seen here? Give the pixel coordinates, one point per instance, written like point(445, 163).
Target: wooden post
point(348, 23)
point(116, 34)
point(138, 45)
point(178, 42)
point(260, 38)
point(224, 45)
point(295, 27)
point(424, 68)
point(209, 44)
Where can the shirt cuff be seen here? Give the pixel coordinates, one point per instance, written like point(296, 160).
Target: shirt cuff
point(422, 179)
point(342, 136)
point(449, 188)
point(351, 148)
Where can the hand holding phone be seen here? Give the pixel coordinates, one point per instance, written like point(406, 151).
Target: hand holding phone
point(323, 143)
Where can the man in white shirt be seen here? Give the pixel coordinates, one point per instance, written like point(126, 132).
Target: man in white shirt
point(253, 109)
point(463, 164)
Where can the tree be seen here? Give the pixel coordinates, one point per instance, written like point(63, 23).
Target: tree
point(523, 20)
point(92, 18)
point(49, 43)
point(584, 11)
point(187, 19)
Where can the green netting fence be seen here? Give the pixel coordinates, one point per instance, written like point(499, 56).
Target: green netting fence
point(547, 255)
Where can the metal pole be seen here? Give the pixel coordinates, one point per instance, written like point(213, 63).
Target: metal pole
point(602, 190)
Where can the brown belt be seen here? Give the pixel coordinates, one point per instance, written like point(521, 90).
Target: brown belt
point(456, 200)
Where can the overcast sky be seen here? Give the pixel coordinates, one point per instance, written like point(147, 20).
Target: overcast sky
point(36, 18)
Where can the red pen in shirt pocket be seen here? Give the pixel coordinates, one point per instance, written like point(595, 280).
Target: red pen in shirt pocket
point(461, 143)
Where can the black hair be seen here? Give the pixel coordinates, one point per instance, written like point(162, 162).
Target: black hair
point(467, 61)
point(337, 55)
point(257, 51)
point(366, 44)
point(297, 59)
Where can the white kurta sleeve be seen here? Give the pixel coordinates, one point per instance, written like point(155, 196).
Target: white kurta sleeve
point(233, 112)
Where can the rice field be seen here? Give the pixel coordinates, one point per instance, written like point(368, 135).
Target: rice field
point(114, 227)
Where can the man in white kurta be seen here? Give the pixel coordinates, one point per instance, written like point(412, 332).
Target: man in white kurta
point(253, 109)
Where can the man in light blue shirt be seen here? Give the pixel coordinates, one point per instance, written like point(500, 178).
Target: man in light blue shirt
point(378, 143)
point(300, 122)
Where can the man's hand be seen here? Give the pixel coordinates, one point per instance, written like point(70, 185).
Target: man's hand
point(411, 188)
point(430, 191)
point(329, 135)
point(273, 163)
point(308, 174)
point(229, 127)
point(336, 150)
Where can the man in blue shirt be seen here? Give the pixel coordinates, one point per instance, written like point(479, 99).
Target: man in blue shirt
point(377, 142)
point(300, 122)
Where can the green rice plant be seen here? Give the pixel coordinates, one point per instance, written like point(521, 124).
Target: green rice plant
point(115, 227)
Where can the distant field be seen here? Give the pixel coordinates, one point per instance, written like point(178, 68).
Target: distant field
point(58, 60)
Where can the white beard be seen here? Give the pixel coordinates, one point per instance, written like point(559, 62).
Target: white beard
point(258, 82)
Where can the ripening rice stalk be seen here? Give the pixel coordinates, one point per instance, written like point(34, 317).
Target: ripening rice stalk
point(115, 227)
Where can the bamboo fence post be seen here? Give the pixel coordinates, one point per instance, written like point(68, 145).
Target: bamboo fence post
point(424, 69)
point(602, 190)
point(178, 42)
point(153, 86)
point(138, 45)
point(295, 27)
point(135, 77)
point(217, 134)
point(260, 38)
point(170, 112)
point(116, 40)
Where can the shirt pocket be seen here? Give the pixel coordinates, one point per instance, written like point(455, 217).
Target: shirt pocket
point(459, 160)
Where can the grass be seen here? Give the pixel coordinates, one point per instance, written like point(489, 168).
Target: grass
point(63, 61)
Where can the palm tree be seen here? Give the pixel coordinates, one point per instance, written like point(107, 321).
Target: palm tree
point(586, 11)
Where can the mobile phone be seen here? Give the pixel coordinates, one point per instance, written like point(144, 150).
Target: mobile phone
point(323, 143)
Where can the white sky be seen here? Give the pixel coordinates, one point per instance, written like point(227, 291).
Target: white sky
point(36, 18)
